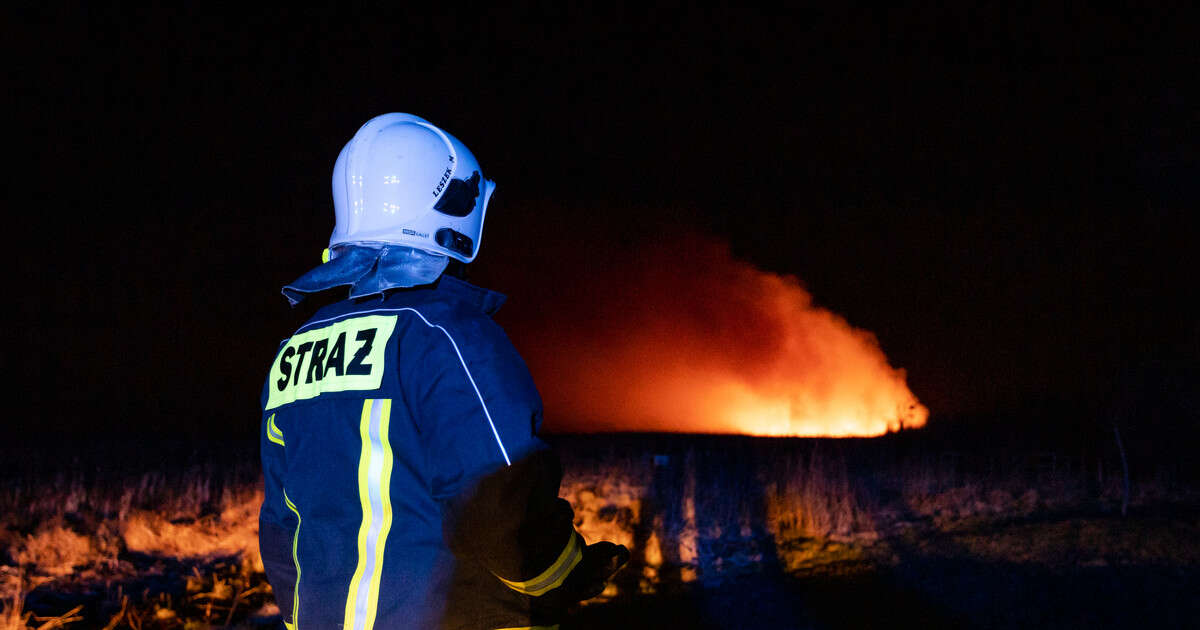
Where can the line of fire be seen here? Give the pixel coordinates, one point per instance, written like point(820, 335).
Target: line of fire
point(709, 344)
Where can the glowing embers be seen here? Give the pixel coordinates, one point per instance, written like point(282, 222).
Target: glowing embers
point(684, 338)
point(855, 414)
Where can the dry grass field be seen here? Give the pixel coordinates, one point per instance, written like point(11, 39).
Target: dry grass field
point(725, 532)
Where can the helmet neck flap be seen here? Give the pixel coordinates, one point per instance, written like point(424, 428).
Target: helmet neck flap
point(369, 269)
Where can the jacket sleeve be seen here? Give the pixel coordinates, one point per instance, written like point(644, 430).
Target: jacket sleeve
point(276, 523)
point(513, 522)
point(496, 481)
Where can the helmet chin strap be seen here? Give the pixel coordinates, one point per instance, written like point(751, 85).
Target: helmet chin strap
point(457, 269)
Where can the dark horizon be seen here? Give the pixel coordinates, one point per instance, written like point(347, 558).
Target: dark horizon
point(1007, 203)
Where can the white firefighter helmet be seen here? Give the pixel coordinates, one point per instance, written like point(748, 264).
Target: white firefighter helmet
point(402, 180)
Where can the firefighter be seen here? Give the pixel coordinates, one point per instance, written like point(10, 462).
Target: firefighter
point(405, 483)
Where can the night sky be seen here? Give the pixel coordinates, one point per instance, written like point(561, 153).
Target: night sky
point(1008, 201)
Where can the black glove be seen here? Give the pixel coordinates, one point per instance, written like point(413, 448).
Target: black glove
point(600, 563)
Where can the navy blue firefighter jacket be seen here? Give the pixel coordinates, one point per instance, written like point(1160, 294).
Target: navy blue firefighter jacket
point(405, 485)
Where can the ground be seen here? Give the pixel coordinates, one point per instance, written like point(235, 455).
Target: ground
point(1068, 569)
point(725, 533)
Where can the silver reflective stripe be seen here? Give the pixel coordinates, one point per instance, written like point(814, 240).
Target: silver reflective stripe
point(373, 474)
point(374, 481)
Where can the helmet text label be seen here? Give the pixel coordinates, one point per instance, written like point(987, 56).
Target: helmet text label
point(442, 182)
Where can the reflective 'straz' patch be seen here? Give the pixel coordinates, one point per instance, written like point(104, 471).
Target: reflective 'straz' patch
point(344, 356)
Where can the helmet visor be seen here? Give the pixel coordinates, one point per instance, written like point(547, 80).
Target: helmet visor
point(459, 198)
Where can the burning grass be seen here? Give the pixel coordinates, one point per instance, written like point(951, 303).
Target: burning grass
point(681, 336)
point(175, 545)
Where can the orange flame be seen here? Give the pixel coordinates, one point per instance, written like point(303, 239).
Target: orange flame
point(699, 342)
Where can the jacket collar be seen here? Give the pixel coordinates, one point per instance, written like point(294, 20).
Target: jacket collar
point(485, 300)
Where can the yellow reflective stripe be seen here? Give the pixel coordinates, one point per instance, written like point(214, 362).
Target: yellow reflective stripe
point(273, 432)
point(296, 560)
point(374, 494)
point(553, 577)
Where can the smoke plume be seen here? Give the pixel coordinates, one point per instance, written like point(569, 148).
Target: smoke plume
point(682, 337)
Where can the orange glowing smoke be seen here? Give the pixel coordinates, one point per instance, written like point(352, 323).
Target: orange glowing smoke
point(687, 339)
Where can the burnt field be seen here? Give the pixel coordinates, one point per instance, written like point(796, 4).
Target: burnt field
point(726, 532)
